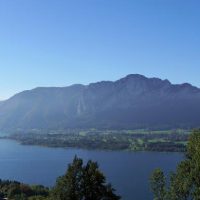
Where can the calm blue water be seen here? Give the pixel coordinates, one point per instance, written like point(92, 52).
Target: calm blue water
point(127, 171)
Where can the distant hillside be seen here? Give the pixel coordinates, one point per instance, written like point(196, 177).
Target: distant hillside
point(129, 103)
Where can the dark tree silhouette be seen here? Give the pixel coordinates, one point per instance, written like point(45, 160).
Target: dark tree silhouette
point(83, 182)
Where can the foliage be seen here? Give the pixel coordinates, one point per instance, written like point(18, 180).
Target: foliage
point(16, 190)
point(158, 184)
point(134, 140)
point(184, 183)
point(83, 182)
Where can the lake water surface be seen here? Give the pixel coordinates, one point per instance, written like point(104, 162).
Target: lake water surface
point(127, 171)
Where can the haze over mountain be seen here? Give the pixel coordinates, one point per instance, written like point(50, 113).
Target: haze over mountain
point(129, 103)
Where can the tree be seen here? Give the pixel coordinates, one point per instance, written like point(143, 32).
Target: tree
point(158, 184)
point(69, 186)
point(83, 183)
point(185, 181)
point(94, 184)
point(180, 182)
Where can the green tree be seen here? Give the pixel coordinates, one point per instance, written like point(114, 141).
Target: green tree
point(193, 157)
point(158, 184)
point(185, 181)
point(83, 183)
point(68, 187)
point(94, 184)
point(180, 182)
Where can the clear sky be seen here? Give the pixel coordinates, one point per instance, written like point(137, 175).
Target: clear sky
point(61, 42)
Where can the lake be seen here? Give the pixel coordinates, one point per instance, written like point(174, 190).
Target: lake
point(127, 171)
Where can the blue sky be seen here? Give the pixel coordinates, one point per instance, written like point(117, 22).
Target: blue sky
point(61, 42)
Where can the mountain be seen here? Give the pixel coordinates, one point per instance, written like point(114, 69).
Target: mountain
point(129, 103)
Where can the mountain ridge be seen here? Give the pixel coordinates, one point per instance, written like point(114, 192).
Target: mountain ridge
point(107, 81)
point(134, 101)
